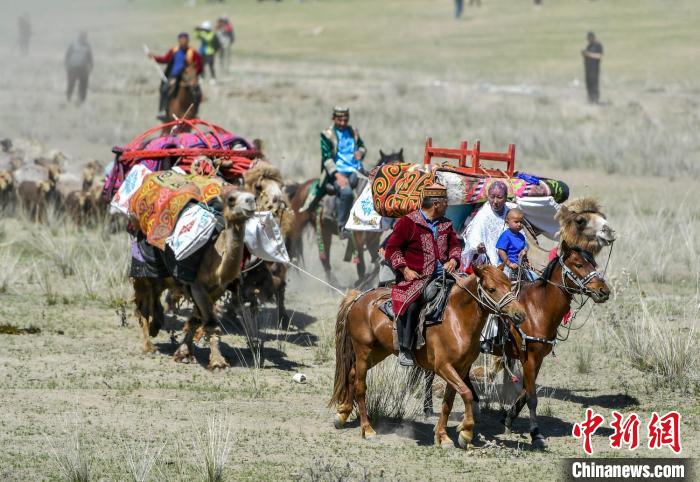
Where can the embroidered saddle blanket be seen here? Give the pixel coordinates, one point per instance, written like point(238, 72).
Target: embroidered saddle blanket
point(157, 204)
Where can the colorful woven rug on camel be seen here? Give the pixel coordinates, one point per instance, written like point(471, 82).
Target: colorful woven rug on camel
point(162, 196)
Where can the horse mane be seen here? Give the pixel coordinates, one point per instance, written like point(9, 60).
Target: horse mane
point(568, 228)
point(260, 171)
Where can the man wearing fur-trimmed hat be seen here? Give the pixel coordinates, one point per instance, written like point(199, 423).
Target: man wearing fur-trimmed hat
point(342, 153)
point(422, 246)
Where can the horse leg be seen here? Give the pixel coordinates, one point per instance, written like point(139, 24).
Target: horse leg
point(325, 248)
point(358, 243)
point(345, 409)
point(456, 381)
point(530, 376)
point(428, 397)
point(441, 438)
point(361, 367)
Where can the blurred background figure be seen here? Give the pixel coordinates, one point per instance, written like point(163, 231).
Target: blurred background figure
point(207, 47)
point(226, 37)
point(459, 6)
point(592, 55)
point(78, 64)
point(24, 33)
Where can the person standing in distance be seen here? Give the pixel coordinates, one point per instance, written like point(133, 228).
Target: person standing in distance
point(592, 56)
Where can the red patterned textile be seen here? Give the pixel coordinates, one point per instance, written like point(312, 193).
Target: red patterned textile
point(161, 197)
point(397, 187)
point(412, 244)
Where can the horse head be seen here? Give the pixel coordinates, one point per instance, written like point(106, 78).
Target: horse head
point(189, 78)
point(582, 224)
point(389, 158)
point(580, 275)
point(495, 292)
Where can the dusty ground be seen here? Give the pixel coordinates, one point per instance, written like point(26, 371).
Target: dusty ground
point(84, 373)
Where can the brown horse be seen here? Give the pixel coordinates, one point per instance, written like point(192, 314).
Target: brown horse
point(364, 338)
point(184, 102)
point(325, 229)
point(546, 302)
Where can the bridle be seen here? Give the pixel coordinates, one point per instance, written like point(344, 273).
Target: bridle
point(579, 282)
point(484, 299)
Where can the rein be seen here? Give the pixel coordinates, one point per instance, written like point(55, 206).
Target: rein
point(483, 298)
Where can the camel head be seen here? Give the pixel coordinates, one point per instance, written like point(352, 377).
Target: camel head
point(238, 206)
point(264, 181)
point(582, 224)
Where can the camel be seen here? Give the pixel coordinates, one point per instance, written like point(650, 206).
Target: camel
point(268, 280)
point(219, 267)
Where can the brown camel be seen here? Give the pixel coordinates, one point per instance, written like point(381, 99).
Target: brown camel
point(220, 266)
point(267, 280)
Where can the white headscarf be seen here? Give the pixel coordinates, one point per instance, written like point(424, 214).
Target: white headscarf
point(486, 227)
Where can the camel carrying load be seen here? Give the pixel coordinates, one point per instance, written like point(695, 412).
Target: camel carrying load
point(190, 216)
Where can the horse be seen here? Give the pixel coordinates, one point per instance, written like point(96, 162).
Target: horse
point(326, 228)
point(546, 301)
point(363, 338)
point(184, 101)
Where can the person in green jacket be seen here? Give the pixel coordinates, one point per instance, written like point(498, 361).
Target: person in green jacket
point(207, 47)
point(342, 153)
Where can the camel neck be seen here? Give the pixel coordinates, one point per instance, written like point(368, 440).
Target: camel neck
point(232, 254)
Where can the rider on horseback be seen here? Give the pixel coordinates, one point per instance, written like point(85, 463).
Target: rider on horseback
point(176, 59)
point(342, 152)
point(422, 246)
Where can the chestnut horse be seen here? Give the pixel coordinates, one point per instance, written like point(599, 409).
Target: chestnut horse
point(184, 102)
point(546, 302)
point(326, 228)
point(364, 338)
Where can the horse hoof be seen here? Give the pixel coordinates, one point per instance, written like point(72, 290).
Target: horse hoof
point(465, 440)
point(339, 421)
point(539, 444)
point(443, 441)
point(369, 434)
point(507, 431)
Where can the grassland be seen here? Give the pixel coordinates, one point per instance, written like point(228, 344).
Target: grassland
point(504, 73)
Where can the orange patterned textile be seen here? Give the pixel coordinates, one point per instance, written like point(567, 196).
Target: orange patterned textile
point(397, 188)
point(156, 205)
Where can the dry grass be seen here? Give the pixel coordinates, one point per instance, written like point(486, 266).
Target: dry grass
point(212, 445)
point(72, 455)
point(141, 459)
point(394, 392)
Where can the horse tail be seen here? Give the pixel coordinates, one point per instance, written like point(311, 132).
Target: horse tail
point(344, 353)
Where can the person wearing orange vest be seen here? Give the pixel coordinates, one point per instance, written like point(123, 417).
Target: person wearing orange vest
point(176, 59)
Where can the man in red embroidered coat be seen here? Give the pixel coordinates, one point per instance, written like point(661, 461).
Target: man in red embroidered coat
point(422, 246)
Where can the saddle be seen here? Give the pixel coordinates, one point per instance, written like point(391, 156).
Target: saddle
point(434, 301)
